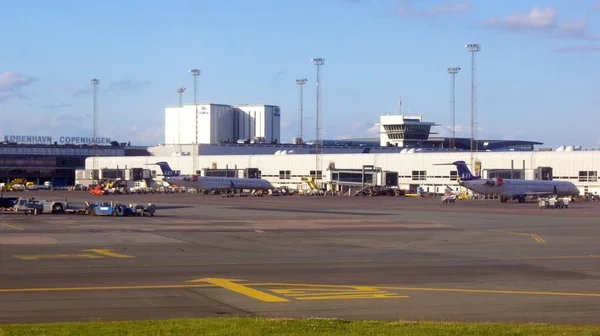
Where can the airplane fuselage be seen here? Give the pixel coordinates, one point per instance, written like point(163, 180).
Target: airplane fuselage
point(212, 183)
point(521, 188)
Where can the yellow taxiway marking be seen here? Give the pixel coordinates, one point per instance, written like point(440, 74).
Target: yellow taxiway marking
point(93, 254)
point(316, 262)
point(534, 236)
point(12, 226)
point(58, 256)
point(109, 253)
point(335, 294)
point(354, 296)
point(459, 290)
point(98, 288)
point(241, 289)
point(328, 290)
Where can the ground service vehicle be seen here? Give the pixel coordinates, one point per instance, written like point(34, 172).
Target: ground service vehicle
point(107, 209)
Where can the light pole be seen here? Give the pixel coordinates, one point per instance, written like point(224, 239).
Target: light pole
point(180, 91)
point(95, 83)
point(318, 146)
point(195, 73)
point(453, 72)
point(300, 140)
point(474, 49)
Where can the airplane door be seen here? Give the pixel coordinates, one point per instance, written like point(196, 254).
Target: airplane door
point(195, 178)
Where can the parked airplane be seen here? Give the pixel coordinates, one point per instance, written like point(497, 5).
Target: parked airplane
point(513, 188)
point(211, 183)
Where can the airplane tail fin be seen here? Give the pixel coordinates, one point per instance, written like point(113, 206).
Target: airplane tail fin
point(166, 169)
point(463, 171)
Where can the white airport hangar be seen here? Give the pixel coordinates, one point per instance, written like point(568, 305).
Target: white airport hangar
point(407, 156)
point(218, 123)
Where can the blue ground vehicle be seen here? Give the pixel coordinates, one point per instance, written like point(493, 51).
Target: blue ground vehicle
point(109, 209)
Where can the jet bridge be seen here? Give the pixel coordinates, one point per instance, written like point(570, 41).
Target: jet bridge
point(346, 179)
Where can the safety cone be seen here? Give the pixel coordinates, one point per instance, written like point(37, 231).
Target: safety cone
point(35, 212)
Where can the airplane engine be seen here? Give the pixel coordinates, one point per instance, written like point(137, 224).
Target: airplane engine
point(494, 182)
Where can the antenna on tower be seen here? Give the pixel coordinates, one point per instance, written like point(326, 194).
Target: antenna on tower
point(400, 106)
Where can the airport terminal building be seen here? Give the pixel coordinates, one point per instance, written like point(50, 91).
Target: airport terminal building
point(39, 159)
point(405, 155)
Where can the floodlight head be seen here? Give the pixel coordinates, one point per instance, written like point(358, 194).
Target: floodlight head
point(453, 70)
point(181, 90)
point(473, 47)
point(318, 61)
point(301, 81)
point(195, 72)
point(95, 81)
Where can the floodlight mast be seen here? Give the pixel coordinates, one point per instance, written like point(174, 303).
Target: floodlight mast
point(180, 91)
point(474, 49)
point(318, 145)
point(95, 83)
point(453, 72)
point(195, 73)
point(300, 139)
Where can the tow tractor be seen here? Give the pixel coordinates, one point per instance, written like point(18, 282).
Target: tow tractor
point(141, 210)
point(109, 209)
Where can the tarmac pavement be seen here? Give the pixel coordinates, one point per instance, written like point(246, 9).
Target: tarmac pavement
point(300, 256)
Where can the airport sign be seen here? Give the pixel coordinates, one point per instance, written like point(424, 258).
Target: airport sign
point(47, 139)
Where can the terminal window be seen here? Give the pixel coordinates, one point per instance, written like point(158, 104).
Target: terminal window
point(453, 175)
point(419, 175)
point(285, 174)
point(588, 176)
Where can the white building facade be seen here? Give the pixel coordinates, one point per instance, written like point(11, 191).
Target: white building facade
point(419, 169)
point(261, 122)
point(219, 123)
point(215, 124)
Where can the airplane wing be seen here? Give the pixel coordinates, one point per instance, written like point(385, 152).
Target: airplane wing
point(527, 193)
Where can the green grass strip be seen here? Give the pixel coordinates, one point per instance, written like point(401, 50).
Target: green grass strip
point(266, 326)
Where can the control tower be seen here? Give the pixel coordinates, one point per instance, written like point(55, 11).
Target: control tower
point(404, 131)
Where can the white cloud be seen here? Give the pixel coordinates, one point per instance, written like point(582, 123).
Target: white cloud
point(12, 83)
point(544, 21)
point(285, 124)
point(587, 49)
point(407, 9)
point(125, 85)
point(536, 19)
point(81, 125)
point(373, 130)
point(56, 106)
point(114, 86)
point(358, 125)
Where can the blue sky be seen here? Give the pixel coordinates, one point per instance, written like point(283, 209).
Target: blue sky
point(538, 67)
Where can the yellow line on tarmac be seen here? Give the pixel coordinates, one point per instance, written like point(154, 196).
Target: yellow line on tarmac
point(12, 227)
point(241, 289)
point(108, 253)
point(57, 256)
point(69, 289)
point(534, 236)
point(346, 297)
point(316, 262)
point(538, 238)
point(459, 290)
point(245, 290)
point(491, 291)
